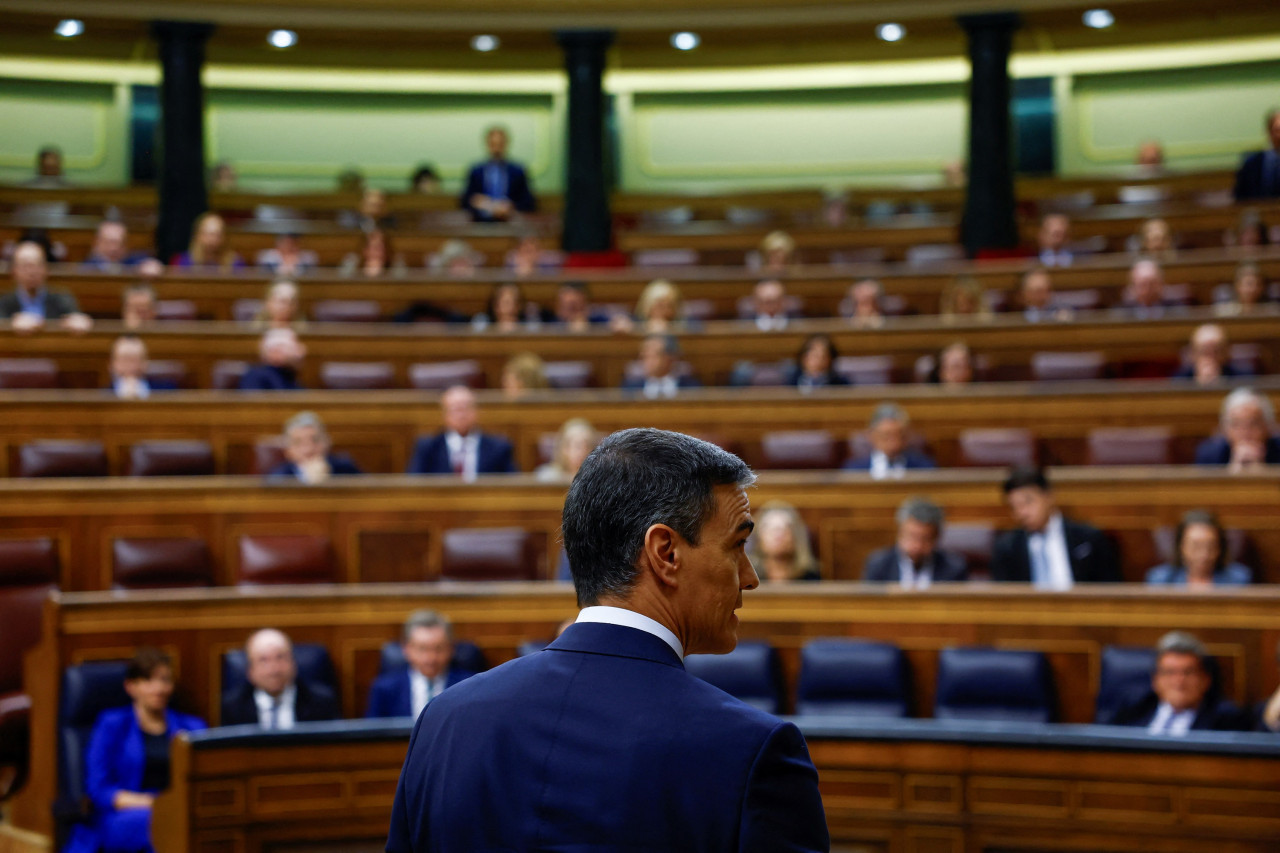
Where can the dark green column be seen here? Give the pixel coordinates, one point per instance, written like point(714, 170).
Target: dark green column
point(587, 223)
point(183, 196)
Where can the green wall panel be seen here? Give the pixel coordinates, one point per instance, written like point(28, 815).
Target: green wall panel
point(88, 121)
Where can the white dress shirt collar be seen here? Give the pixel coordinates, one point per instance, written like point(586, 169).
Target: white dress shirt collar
point(630, 619)
point(1052, 542)
point(1170, 722)
point(913, 576)
point(469, 447)
point(284, 707)
point(666, 386)
point(422, 689)
point(882, 467)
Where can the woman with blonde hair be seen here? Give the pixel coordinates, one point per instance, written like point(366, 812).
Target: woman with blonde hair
point(657, 310)
point(279, 308)
point(777, 252)
point(523, 372)
point(964, 297)
point(1155, 241)
point(575, 441)
point(209, 245)
point(779, 549)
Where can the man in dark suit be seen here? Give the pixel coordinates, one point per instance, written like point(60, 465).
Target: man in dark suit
point(1259, 175)
point(890, 456)
point(281, 353)
point(1246, 442)
point(1048, 549)
point(658, 361)
point(462, 449)
point(1183, 696)
point(31, 303)
point(307, 453)
point(497, 187)
point(129, 370)
point(272, 696)
point(915, 561)
point(1209, 357)
point(603, 741)
point(427, 643)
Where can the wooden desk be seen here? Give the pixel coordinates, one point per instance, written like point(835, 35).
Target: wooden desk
point(912, 787)
point(196, 627)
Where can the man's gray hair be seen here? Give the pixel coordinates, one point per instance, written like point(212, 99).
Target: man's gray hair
point(889, 412)
point(1181, 643)
point(922, 510)
point(426, 619)
point(306, 419)
point(1247, 396)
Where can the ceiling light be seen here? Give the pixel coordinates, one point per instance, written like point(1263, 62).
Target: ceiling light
point(484, 44)
point(891, 32)
point(282, 38)
point(70, 28)
point(685, 41)
point(1099, 19)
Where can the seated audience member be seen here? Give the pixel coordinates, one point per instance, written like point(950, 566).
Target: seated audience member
point(658, 359)
point(456, 259)
point(461, 448)
point(573, 307)
point(129, 370)
point(209, 248)
point(1268, 711)
point(508, 310)
point(769, 306)
point(498, 188)
point(288, 257)
point(1209, 357)
point(425, 180)
point(1055, 232)
point(528, 258)
point(127, 762)
point(1035, 293)
point(1200, 556)
point(110, 249)
point(272, 696)
point(281, 353)
point(1183, 696)
point(222, 177)
point(1048, 549)
point(31, 303)
point(955, 366)
point(1247, 421)
point(308, 453)
point(815, 365)
point(138, 306)
point(427, 643)
point(280, 308)
point(1259, 174)
point(777, 252)
point(49, 173)
point(1150, 157)
point(1248, 290)
point(1144, 298)
point(779, 549)
point(658, 311)
point(890, 456)
point(577, 438)
point(373, 258)
point(1155, 241)
point(865, 300)
point(964, 297)
point(915, 561)
point(1250, 232)
point(524, 372)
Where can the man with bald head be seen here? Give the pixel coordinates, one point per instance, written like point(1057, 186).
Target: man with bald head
point(272, 696)
point(281, 353)
point(461, 448)
point(31, 304)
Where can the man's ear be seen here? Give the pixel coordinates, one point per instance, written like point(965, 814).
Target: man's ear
point(662, 553)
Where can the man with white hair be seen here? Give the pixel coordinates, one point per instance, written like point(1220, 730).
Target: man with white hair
point(281, 353)
point(1209, 357)
point(307, 451)
point(31, 303)
point(1145, 298)
point(1246, 441)
point(891, 452)
point(271, 696)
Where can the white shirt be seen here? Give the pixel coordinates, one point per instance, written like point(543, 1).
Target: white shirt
point(422, 689)
point(631, 619)
point(1170, 722)
point(468, 447)
point(1051, 545)
point(143, 388)
point(882, 468)
point(667, 386)
point(913, 577)
point(284, 705)
point(771, 323)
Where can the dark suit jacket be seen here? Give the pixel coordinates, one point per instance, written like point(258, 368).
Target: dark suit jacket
point(637, 384)
point(314, 702)
point(1188, 371)
point(338, 464)
point(390, 695)
point(1251, 178)
point(518, 190)
point(152, 384)
point(603, 741)
point(57, 304)
point(882, 566)
point(1214, 714)
point(1216, 450)
point(493, 456)
point(913, 458)
point(264, 377)
point(1092, 558)
point(793, 374)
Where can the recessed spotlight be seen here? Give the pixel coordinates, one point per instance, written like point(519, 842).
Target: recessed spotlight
point(70, 28)
point(282, 38)
point(891, 32)
point(685, 41)
point(486, 43)
point(1099, 19)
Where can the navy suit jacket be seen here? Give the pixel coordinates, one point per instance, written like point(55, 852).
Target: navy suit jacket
point(518, 190)
point(264, 377)
point(1093, 560)
point(1251, 179)
point(602, 741)
point(637, 383)
point(391, 696)
point(1216, 450)
point(882, 566)
point(493, 456)
point(338, 464)
point(1214, 714)
point(912, 458)
point(312, 703)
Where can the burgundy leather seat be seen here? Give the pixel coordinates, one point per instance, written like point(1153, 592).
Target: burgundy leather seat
point(439, 375)
point(62, 458)
point(1131, 446)
point(180, 310)
point(865, 369)
point(490, 554)
point(997, 447)
point(570, 374)
point(974, 540)
point(799, 449)
point(227, 373)
point(160, 563)
point(346, 311)
point(28, 373)
point(284, 560)
point(171, 459)
point(170, 372)
point(268, 454)
point(1049, 366)
point(357, 375)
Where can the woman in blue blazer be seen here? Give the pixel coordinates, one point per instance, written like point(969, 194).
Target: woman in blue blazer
point(1200, 556)
point(128, 759)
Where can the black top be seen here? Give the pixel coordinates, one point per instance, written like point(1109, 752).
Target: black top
point(155, 772)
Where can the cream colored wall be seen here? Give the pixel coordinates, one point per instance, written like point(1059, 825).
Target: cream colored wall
point(88, 121)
